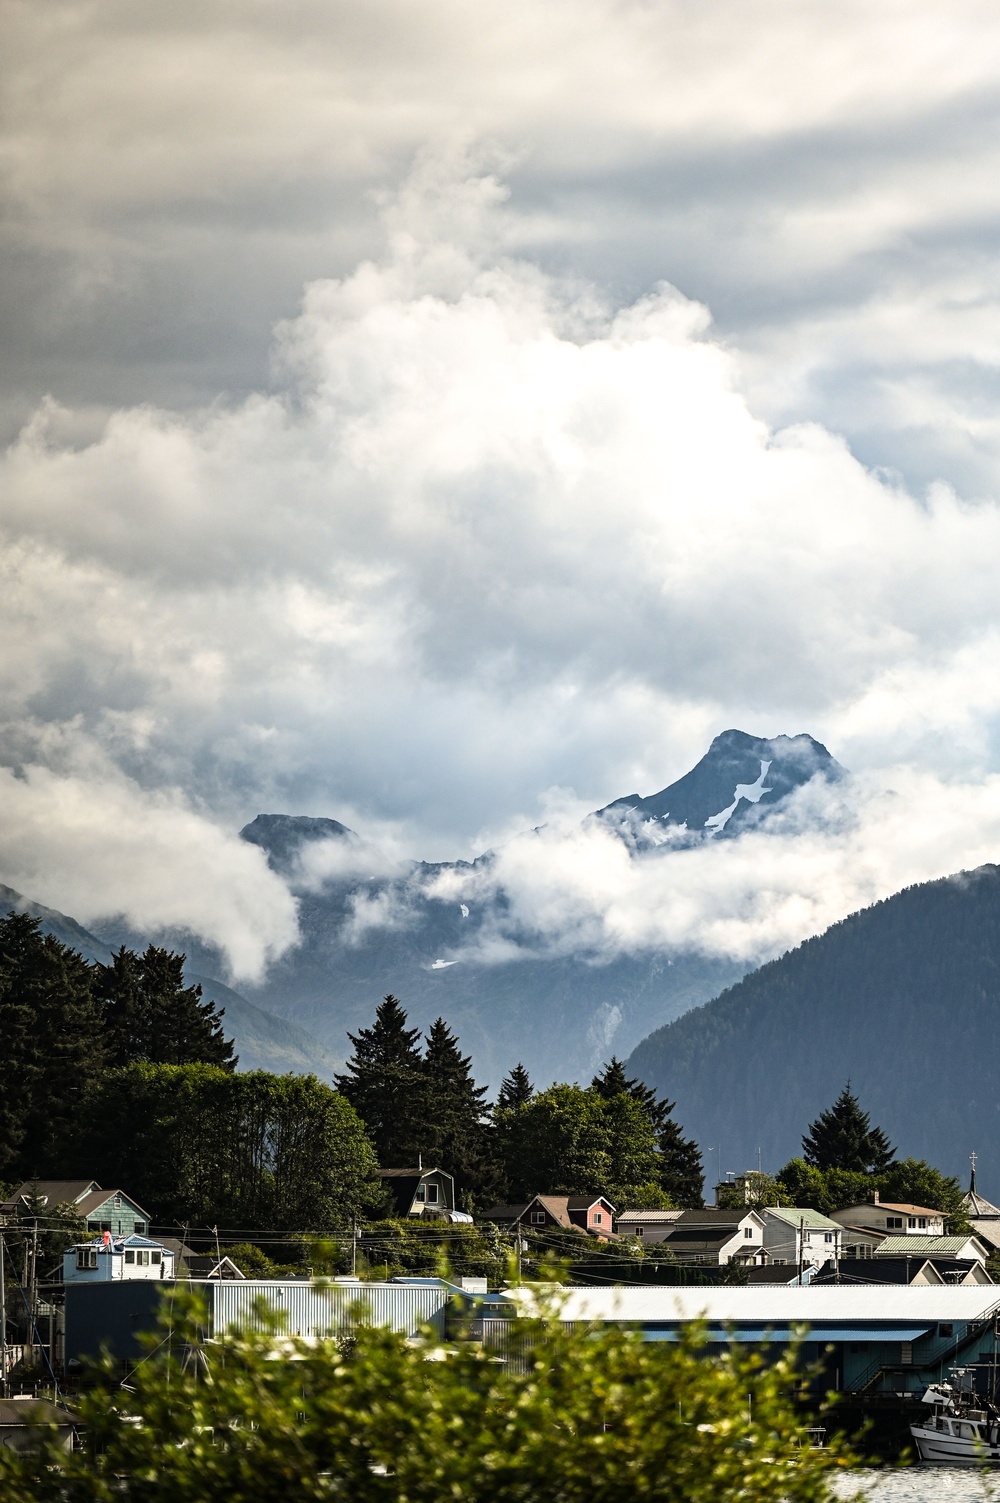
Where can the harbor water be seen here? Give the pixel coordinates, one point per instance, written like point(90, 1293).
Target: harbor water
point(920, 1484)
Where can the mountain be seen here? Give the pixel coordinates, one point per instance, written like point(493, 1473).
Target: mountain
point(561, 1015)
point(902, 998)
point(737, 783)
point(263, 1041)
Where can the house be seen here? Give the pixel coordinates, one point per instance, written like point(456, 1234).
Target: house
point(907, 1270)
point(109, 1258)
point(718, 1236)
point(211, 1266)
point(798, 1235)
point(582, 1213)
point(967, 1248)
point(891, 1219)
point(505, 1216)
point(647, 1226)
point(423, 1192)
point(102, 1210)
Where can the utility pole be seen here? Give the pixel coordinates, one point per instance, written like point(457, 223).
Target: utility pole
point(3, 1319)
point(354, 1245)
point(802, 1247)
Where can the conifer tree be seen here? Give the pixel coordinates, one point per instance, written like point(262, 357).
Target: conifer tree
point(386, 1083)
point(515, 1090)
point(51, 1043)
point(843, 1138)
point(151, 1017)
point(681, 1174)
point(455, 1110)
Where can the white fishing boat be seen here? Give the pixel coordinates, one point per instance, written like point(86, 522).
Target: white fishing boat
point(963, 1428)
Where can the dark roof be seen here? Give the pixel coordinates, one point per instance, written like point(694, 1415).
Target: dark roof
point(694, 1244)
point(30, 1411)
point(504, 1213)
point(714, 1216)
point(57, 1192)
point(584, 1202)
point(411, 1173)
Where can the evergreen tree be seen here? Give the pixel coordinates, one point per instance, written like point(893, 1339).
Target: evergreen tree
point(151, 1017)
point(843, 1138)
point(515, 1090)
point(680, 1171)
point(455, 1111)
point(51, 1043)
point(386, 1083)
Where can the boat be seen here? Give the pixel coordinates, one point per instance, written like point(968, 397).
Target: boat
point(963, 1428)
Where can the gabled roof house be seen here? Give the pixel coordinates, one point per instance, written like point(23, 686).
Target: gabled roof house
point(102, 1210)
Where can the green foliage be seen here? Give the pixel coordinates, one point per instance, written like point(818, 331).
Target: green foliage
point(907, 1181)
point(679, 1168)
point(196, 1143)
point(558, 1143)
point(454, 1137)
point(391, 1247)
point(585, 1416)
point(53, 1047)
point(151, 1017)
point(843, 1138)
point(755, 1191)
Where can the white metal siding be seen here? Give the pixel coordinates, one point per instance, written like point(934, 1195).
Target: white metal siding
point(320, 1312)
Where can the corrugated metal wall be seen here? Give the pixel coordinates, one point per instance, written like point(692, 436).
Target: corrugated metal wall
point(310, 1311)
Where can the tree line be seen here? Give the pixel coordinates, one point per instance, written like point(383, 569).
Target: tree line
point(423, 1104)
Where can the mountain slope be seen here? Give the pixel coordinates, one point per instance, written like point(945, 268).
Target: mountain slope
point(263, 1042)
point(903, 998)
point(561, 1015)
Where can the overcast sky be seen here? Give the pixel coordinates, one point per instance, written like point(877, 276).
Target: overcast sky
point(437, 415)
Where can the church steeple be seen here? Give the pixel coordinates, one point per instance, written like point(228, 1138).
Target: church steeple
point(972, 1177)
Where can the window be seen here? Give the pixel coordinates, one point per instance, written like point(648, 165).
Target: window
point(421, 1192)
point(894, 1223)
point(911, 1221)
point(141, 1228)
point(117, 1202)
point(639, 1231)
point(827, 1236)
point(598, 1218)
point(538, 1218)
point(432, 1195)
point(747, 1232)
point(946, 1329)
point(86, 1257)
point(102, 1226)
point(921, 1220)
point(154, 1257)
point(130, 1254)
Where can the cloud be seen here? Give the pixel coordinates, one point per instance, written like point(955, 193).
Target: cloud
point(576, 889)
point(491, 531)
point(95, 846)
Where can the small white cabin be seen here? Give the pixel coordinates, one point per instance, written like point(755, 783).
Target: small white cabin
point(110, 1259)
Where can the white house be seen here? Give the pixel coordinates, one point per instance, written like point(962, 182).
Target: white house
point(718, 1236)
point(109, 1259)
point(795, 1233)
point(892, 1220)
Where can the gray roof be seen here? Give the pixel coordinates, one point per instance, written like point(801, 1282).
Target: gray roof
point(945, 1247)
point(795, 1215)
point(657, 1218)
point(773, 1304)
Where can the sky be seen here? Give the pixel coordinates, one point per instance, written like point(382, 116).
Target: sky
point(447, 419)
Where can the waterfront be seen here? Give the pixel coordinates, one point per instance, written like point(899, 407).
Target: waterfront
point(920, 1485)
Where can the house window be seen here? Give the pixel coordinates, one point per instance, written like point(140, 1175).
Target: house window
point(894, 1223)
point(911, 1221)
point(432, 1195)
point(921, 1220)
point(130, 1254)
point(538, 1218)
point(117, 1202)
point(827, 1236)
point(421, 1192)
point(86, 1257)
point(598, 1218)
point(946, 1329)
point(747, 1232)
point(141, 1228)
point(102, 1226)
point(639, 1231)
point(154, 1257)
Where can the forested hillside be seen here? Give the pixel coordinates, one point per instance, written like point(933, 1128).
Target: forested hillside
point(903, 998)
